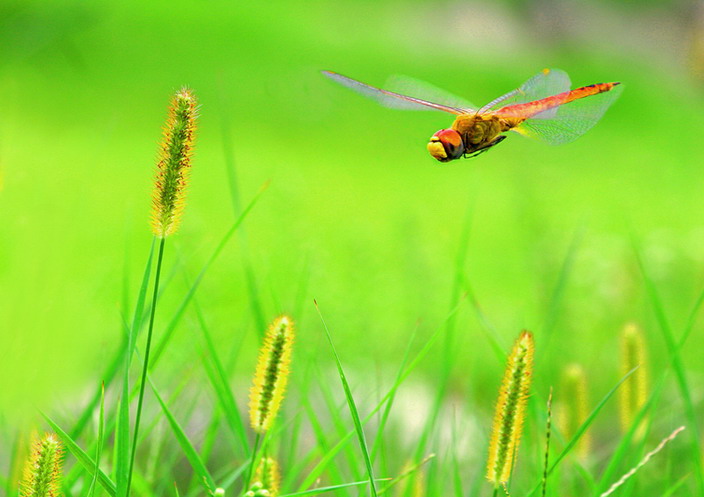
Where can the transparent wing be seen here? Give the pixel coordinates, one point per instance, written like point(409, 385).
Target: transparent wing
point(406, 85)
point(391, 99)
point(569, 121)
point(546, 83)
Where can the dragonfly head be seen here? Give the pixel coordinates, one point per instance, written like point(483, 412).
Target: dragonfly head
point(446, 145)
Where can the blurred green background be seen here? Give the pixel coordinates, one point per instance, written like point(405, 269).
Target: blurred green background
point(357, 214)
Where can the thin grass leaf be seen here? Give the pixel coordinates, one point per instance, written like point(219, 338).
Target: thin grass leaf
point(221, 386)
point(188, 449)
point(320, 438)
point(335, 411)
point(168, 331)
point(580, 431)
point(137, 318)
point(227, 481)
point(122, 443)
point(233, 183)
point(678, 366)
point(101, 434)
point(387, 409)
point(485, 324)
point(110, 373)
point(321, 490)
point(675, 486)
point(353, 409)
point(16, 462)
point(396, 480)
point(642, 462)
point(557, 297)
point(330, 455)
point(165, 220)
point(83, 458)
point(449, 349)
point(123, 463)
point(624, 449)
point(119, 359)
point(302, 288)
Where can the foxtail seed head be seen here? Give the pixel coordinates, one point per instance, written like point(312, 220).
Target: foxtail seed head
point(634, 391)
point(174, 164)
point(271, 375)
point(573, 410)
point(268, 475)
point(42, 474)
point(510, 410)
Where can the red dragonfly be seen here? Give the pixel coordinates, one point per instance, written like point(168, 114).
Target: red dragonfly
point(543, 107)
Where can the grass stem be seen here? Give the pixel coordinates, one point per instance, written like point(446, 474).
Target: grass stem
point(145, 368)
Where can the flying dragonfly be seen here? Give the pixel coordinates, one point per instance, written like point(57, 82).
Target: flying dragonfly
point(543, 107)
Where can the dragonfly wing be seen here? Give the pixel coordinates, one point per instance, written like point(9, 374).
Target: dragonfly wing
point(406, 85)
point(389, 98)
point(546, 83)
point(569, 121)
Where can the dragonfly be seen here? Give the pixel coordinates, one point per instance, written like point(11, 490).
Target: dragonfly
point(543, 107)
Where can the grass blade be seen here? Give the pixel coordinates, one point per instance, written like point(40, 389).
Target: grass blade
point(678, 366)
point(84, 459)
point(188, 449)
point(353, 409)
point(321, 490)
point(101, 434)
point(168, 331)
point(325, 460)
point(218, 380)
point(580, 431)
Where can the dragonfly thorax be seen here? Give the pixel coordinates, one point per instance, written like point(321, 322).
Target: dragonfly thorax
point(446, 145)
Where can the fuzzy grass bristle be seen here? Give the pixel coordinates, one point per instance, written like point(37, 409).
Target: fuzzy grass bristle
point(633, 394)
point(510, 410)
point(574, 408)
point(269, 475)
point(271, 374)
point(174, 164)
point(42, 474)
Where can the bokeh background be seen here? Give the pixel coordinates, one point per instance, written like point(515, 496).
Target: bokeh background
point(357, 215)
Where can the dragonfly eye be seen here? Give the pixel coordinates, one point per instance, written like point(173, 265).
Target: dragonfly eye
point(446, 145)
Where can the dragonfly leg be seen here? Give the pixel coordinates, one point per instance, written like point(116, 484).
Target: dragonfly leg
point(498, 140)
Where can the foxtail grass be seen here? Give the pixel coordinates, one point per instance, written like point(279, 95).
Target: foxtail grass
point(270, 379)
point(634, 392)
point(574, 407)
point(170, 187)
point(42, 474)
point(268, 476)
point(271, 374)
point(174, 164)
point(510, 411)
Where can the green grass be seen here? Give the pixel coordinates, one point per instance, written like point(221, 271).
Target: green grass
point(425, 272)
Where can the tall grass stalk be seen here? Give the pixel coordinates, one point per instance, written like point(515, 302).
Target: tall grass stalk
point(168, 202)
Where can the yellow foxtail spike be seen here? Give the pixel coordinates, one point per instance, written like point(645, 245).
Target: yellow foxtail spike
point(510, 410)
point(271, 374)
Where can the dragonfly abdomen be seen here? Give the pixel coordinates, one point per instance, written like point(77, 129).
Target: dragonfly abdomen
point(530, 109)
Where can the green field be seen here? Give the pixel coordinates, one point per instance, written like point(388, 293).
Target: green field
point(398, 250)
